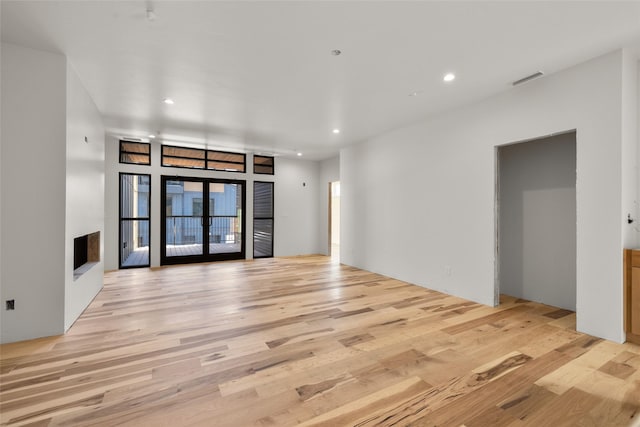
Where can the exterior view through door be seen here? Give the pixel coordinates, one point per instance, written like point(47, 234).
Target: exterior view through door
point(202, 220)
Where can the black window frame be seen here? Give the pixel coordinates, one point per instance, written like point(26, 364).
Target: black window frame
point(123, 151)
point(121, 219)
point(206, 161)
point(243, 163)
point(203, 159)
point(273, 165)
point(187, 259)
point(272, 218)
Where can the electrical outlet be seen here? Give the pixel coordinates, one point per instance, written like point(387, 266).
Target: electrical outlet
point(11, 304)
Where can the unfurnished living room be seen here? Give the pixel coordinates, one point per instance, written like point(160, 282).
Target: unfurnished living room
point(319, 213)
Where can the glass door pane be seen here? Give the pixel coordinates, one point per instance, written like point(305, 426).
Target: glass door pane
point(134, 220)
point(225, 217)
point(184, 218)
point(201, 220)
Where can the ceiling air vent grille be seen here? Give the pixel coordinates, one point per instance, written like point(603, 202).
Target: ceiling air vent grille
point(528, 78)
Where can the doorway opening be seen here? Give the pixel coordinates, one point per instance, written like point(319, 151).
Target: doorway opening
point(334, 220)
point(202, 220)
point(536, 220)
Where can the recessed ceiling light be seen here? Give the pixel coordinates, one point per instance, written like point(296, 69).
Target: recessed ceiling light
point(336, 130)
point(336, 52)
point(151, 136)
point(449, 77)
point(168, 101)
point(299, 154)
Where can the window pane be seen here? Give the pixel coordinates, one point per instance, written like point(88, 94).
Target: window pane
point(226, 157)
point(229, 167)
point(191, 153)
point(183, 157)
point(135, 147)
point(223, 161)
point(225, 217)
point(263, 160)
point(197, 206)
point(263, 200)
point(138, 159)
point(266, 170)
point(263, 165)
point(262, 219)
point(183, 163)
point(134, 196)
point(203, 159)
point(135, 152)
point(134, 219)
point(262, 238)
point(134, 238)
point(184, 223)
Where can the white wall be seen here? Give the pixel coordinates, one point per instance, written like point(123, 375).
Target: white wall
point(329, 172)
point(295, 206)
point(537, 216)
point(629, 148)
point(52, 191)
point(418, 202)
point(33, 192)
point(335, 213)
point(84, 193)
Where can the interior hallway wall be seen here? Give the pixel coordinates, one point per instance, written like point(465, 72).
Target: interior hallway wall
point(433, 185)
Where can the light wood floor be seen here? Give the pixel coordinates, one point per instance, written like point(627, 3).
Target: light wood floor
point(282, 342)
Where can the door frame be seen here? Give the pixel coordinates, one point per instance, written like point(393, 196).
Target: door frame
point(329, 217)
point(204, 257)
point(134, 218)
point(498, 202)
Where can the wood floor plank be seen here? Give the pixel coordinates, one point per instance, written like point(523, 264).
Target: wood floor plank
point(307, 341)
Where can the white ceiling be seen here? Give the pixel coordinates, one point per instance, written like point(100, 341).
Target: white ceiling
point(259, 76)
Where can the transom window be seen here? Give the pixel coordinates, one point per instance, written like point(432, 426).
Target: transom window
point(263, 165)
point(193, 158)
point(137, 153)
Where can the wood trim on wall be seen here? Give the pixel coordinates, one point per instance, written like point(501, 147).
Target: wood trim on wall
point(626, 262)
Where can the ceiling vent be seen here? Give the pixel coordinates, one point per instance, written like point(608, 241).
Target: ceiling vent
point(127, 138)
point(528, 78)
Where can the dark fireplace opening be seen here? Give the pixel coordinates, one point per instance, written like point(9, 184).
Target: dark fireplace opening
point(86, 253)
point(79, 251)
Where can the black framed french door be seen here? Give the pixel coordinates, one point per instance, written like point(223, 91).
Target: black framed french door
point(203, 219)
